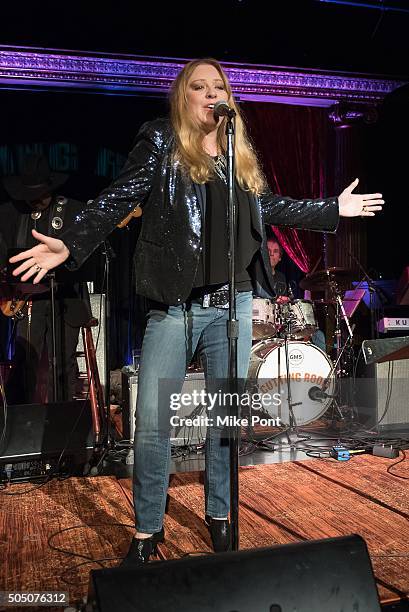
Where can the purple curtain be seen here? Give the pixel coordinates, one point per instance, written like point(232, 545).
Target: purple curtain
point(296, 148)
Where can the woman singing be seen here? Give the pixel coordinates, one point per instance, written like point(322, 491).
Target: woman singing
point(177, 173)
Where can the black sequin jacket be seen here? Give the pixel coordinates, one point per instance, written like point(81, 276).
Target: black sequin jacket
point(168, 248)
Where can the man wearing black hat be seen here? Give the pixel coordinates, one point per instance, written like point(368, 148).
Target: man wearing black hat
point(36, 205)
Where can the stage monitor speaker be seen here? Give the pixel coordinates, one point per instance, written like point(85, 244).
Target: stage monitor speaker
point(179, 435)
point(98, 335)
point(36, 433)
point(332, 575)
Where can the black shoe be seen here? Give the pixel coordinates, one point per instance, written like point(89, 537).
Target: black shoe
point(141, 549)
point(219, 533)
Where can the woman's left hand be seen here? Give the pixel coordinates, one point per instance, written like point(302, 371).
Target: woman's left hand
point(359, 205)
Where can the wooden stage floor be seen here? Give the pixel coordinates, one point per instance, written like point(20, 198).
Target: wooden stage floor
point(43, 528)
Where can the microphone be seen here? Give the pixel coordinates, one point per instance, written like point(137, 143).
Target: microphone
point(222, 109)
point(317, 394)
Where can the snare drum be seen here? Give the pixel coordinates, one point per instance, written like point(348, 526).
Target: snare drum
point(308, 367)
point(301, 315)
point(264, 319)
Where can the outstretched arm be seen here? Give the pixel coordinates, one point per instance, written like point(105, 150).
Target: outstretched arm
point(320, 214)
point(50, 253)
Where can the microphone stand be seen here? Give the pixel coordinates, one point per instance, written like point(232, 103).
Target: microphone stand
point(109, 255)
point(107, 439)
point(293, 425)
point(51, 276)
point(232, 334)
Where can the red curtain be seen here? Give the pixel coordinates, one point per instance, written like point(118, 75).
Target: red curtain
point(296, 148)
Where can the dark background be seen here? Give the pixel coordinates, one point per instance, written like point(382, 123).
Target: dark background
point(302, 33)
point(295, 33)
point(309, 34)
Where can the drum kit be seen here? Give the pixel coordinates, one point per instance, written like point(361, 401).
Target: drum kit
point(283, 358)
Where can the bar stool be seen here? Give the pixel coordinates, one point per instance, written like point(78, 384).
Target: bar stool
point(95, 390)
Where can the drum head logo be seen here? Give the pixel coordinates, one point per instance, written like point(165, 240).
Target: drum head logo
point(296, 357)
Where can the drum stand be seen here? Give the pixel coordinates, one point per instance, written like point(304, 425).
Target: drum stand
point(293, 426)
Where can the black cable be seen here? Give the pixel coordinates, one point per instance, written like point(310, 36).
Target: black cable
point(4, 406)
point(389, 391)
point(86, 558)
point(396, 463)
point(318, 455)
point(100, 562)
point(82, 526)
point(48, 479)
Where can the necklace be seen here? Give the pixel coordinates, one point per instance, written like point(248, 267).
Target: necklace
point(220, 167)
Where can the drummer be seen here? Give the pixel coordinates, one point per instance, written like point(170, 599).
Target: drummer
point(275, 252)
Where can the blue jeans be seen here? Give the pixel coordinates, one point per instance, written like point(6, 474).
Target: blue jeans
point(170, 340)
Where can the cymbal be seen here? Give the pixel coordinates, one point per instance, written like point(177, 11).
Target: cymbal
point(321, 279)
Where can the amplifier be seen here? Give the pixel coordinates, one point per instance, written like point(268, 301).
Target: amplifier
point(39, 438)
point(382, 394)
point(181, 435)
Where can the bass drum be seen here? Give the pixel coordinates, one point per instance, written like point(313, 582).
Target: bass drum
point(309, 366)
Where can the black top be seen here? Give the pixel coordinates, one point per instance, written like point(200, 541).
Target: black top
point(280, 283)
point(213, 263)
point(168, 249)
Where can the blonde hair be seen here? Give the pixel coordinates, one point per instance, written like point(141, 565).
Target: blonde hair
point(189, 136)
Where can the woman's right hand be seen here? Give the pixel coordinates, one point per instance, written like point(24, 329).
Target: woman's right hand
point(50, 253)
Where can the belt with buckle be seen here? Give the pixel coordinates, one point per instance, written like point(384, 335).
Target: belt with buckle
point(218, 299)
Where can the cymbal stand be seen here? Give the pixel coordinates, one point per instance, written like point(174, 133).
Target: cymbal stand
point(337, 367)
point(339, 315)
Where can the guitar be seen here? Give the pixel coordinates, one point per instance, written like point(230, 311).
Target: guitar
point(13, 307)
point(135, 213)
point(14, 296)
